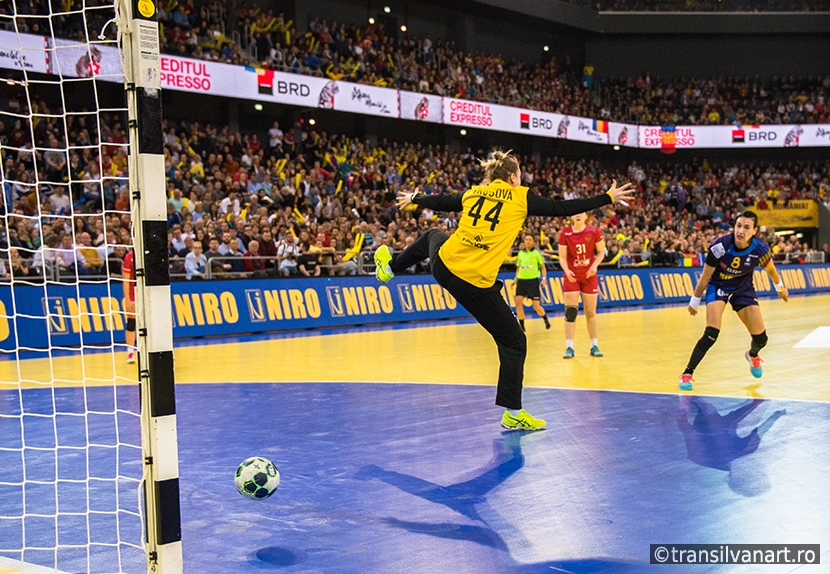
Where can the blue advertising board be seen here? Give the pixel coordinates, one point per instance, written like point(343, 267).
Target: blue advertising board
point(37, 317)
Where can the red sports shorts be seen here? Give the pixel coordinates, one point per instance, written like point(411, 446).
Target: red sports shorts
point(587, 285)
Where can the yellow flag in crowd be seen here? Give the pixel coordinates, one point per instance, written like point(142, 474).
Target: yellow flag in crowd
point(353, 251)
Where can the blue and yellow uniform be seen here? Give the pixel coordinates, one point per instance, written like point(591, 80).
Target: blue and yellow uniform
point(732, 279)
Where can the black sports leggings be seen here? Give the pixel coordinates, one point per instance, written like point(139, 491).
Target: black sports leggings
point(485, 304)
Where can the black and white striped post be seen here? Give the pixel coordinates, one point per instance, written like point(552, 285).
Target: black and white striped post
point(154, 319)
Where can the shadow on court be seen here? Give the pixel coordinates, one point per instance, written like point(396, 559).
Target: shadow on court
point(469, 498)
point(712, 440)
point(462, 497)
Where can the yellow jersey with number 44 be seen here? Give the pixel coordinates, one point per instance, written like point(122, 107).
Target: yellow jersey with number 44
point(491, 218)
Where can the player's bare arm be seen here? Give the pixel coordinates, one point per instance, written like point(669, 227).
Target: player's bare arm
point(700, 288)
point(780, 288)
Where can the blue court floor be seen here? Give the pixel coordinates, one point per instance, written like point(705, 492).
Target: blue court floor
point(407, 478)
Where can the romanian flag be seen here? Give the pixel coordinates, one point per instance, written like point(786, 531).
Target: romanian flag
point(668, 139)
point(601, 126)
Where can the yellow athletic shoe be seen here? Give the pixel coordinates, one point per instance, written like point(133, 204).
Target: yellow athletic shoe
point(382, 260)
point(523, 421)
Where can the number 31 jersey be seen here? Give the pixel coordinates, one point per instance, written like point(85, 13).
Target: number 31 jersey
point(492, 217)
point(581, 247)
point(733, 266)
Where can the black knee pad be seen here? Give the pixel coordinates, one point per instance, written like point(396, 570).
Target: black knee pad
point(760, 341)
point(571, 313)
point(131, 325)
point(710, 335)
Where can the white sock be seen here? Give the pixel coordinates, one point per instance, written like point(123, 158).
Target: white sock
point(514, 412)
point(569, 343)
point(594, 343)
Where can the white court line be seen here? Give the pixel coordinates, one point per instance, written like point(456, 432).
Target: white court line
point(818, 339)
point(9, 566)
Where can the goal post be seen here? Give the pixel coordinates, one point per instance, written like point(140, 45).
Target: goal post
point(88, 441)
point(139, 30)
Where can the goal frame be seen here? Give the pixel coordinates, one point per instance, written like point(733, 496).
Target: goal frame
point(139, 31)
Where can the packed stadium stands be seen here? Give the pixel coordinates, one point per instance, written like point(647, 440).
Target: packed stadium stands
point(713, 5)
point(368, 54)
point(303, 195)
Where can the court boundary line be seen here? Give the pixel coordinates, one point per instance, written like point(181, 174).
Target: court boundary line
point(26, 568)
point(298, 333)
point(549, 387)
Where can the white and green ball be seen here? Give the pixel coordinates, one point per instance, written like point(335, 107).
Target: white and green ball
point(257, 478)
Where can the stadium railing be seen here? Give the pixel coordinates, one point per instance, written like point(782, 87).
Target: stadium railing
point(364, 264)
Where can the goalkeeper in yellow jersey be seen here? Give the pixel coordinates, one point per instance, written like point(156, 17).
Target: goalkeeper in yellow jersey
point(467, 263)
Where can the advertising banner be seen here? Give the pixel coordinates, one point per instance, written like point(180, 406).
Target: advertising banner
point(70, 58)
point(585, 130)
point(73, 58)
point(669, 138)
point(756, 136)
point(795, 213)
point(64, 314)
point(421, 107)
point(815, 135)
point(623, 135)
point(466, 113)
point(362, 99)
point(23, 51)
point(196, 76)
point(280, 87)
point(543, 124)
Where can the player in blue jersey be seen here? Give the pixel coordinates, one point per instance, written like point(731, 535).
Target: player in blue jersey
point(727, 278)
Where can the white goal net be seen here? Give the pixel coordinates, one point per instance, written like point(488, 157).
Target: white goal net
point(70, 437)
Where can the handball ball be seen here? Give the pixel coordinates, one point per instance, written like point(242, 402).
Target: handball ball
point(257, 478)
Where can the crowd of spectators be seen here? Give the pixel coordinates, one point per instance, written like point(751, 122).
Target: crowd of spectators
point(713, 5)
point(301, 202)
point(369, 54)
point(722, 100)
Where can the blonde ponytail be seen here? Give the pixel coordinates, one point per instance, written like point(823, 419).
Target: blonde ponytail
point(500, 166)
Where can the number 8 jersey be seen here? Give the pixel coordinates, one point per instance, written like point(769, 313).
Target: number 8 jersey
point(491, 218)
point(733, 266)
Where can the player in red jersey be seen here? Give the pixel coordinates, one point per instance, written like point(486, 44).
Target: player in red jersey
point(128, 277)
point(581, 250)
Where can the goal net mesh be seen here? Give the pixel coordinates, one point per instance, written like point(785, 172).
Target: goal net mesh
point(70, 437)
